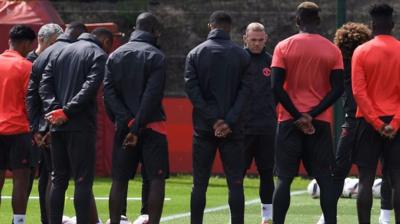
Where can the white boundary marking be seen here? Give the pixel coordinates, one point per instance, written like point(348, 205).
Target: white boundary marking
point(96, 198)
point(219, 208)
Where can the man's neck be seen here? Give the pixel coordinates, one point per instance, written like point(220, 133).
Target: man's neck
point(309, 29)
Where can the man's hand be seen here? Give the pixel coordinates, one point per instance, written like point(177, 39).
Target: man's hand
point(387, 131)
point(221, 129)
point(304, 124)
point(130, 141)
point(56, 117)
point(217, 124)
point(37, 138)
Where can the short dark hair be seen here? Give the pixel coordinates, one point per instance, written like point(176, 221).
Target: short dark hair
point(21, 33)
point(308, 12)
point(103, 32)
point(381, 10)
point(220, 18)
point(77, 26)
point(147, 22)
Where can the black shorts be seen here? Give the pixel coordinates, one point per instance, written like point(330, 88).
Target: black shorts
point(35, 156)
point(205, 148)
point(345, 148)
point(261, 149)
point(73, 154)
point(151, 151)
point(15, 151)
point(292, 146)
point(370, 147)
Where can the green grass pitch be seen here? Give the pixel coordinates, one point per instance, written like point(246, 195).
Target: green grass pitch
point(303, 209)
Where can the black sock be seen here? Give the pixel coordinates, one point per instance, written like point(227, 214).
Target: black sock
point(364, 199)
point(266, 186)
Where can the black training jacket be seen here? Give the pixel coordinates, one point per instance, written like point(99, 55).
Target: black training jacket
point(71, 81)
point(134, 82)
point(261, 113)
point(33, 101)
point(350, 105)
point(217, 82)
point(32, 56)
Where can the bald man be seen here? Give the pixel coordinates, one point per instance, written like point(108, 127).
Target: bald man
point(260, 117)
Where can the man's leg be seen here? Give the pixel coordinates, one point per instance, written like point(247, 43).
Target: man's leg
point(289, 150)
point(319, 160)
point(264, 157)
point(94, 216)
point(60, 176)
point(204, 149)
point(2, 176)
point(155, 164)
point(43, 186)
point(82, 151)
point(145, 196)
point(232, 156)
point(369, 148)
point(124, 165)
point(281, 199)
point(20, 165)
point(343, 158)
point(386, 197)
point(364, 199)
point(3, 163)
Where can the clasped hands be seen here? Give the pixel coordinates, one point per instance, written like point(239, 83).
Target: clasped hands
point(387, 131)
point(221, 129)
point(304, 123)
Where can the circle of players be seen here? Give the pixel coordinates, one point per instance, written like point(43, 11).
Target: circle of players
point(49, 109)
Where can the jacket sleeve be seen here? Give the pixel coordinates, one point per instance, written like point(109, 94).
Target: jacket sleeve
point(46, 89)
point(242, 96)
point(359, 85)
point(89, 88)
point(193, 91)
point(33, 101)
point(115, 108)
point(152, 95)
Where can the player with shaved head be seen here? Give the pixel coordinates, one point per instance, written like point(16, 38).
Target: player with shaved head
point(260, 117)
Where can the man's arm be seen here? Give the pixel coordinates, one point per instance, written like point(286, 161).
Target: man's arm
point(116, 109)
point(33, 101)
point(337, 88)
point(242, 97)
point(359, 85)
point(281, 96)
point(89, 87)
point(46, 89)
point(152, 96)
point(193, 91)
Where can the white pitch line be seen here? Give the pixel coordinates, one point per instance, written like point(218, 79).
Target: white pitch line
point(96, 198)
point(219, 208)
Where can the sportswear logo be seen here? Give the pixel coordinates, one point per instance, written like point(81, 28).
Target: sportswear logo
point(267, 72)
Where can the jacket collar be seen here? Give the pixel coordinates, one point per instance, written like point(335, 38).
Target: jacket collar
point(143, 36)
point(263, 52)
point(65, 38)
point(218, 34)
point(89, 37)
